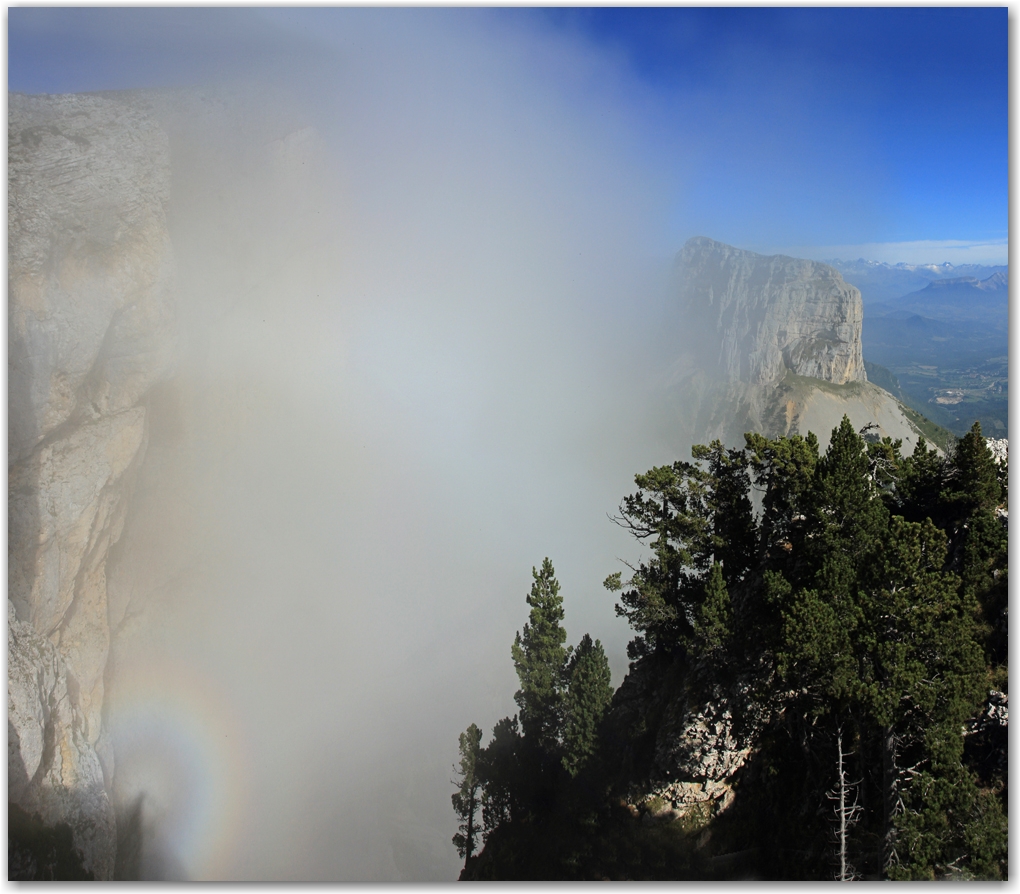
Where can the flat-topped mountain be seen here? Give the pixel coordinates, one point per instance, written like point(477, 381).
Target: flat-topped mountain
point(994, 282)
point(772, 344)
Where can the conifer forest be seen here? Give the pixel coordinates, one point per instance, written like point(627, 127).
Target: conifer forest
point(843, 614)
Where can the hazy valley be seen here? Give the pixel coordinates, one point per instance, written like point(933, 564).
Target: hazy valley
point(946, 341)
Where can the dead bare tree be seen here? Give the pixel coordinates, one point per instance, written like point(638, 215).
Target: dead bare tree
point(846, 814)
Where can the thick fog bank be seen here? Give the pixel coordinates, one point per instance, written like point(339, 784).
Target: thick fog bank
point(420, 337)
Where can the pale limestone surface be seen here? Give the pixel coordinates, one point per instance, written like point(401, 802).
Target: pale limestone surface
point(704, 735)
point(999, 448)
point(90, 268)
point(52, 768)
point(701, 745)
point(91, 328)
point(64, 502)
point(763, 315)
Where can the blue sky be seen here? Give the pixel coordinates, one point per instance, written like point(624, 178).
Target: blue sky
point(824, 132)
point(838, 126)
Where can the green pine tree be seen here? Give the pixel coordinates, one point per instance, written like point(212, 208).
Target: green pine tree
point(920, 485)
point(502, 776)
point(843, 513)
point(466, 801)
point(539, 657)
point(783, 470)
point(846, 521)
point(589, 691)
point(880, 632)
point(669, 511)
point(732, 517)
point(692, 515)
point(922, 681)
point(715, 614)
point(852, 605)
point(973, 477)
point(978, 539)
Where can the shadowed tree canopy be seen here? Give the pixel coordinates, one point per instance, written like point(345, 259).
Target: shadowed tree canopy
point(589, 690)
point(860, 615)
point(466, 803)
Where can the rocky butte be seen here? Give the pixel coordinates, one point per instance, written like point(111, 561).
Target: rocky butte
point(771, 344)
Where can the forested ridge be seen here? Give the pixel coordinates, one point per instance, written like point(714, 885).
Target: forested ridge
point(821, 637)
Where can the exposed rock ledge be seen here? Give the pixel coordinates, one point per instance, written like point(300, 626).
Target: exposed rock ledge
point(90, 329)
point(704, 735)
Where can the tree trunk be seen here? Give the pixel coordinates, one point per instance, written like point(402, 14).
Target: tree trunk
point(890, 787)
point(842, 809)
point(846, 813)
point(472, 828)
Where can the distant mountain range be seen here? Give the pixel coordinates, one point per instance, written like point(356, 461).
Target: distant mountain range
point(942, 332)
point(954, 300)
point(882, 282)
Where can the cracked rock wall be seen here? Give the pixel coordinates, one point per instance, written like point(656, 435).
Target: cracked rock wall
point(763, 315)
point(91, 328)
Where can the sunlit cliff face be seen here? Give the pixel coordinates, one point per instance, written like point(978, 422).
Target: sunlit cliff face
point(419, 321)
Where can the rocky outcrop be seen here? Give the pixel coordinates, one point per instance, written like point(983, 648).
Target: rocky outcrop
point(53, 769)
point(999, 448)
point(701, 734)
point(700, 747)
point(758, 316)
point(90, 329)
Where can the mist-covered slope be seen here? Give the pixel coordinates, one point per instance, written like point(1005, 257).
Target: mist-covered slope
point(396, 380)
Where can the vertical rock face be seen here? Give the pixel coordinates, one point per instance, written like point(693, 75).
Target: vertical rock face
point(90, 329)
point(761, 316)
point(773, 345)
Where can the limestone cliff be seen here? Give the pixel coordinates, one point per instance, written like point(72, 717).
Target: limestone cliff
point(770, 344)
point(90, 329)
point(761, 316)
point(139, 362)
